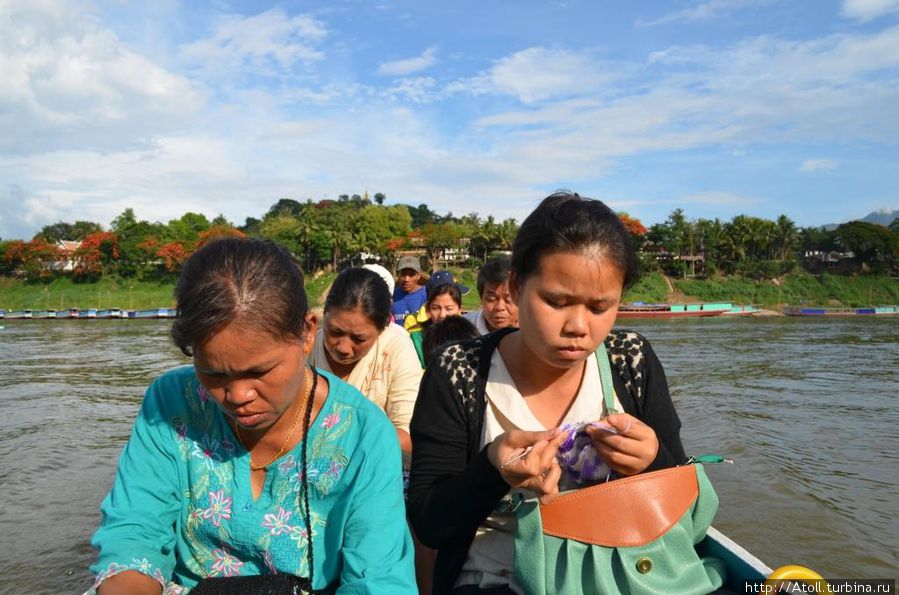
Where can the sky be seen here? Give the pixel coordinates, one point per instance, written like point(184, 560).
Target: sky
point(718, 107)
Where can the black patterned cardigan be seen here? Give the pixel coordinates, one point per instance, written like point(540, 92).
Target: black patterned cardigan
point(453, 485)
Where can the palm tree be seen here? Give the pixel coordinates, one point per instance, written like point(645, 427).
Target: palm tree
point(786, 236)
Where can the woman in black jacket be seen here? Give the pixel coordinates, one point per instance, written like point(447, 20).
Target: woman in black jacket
point(496, 415)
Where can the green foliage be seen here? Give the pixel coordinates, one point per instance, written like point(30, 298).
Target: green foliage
point(650, 288)
point(870, 242)
point(800, 288)
point(421, 215)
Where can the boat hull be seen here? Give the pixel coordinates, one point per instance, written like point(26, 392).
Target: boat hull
point(666, 314)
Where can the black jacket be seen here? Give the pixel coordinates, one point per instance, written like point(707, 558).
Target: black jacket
point(454, 488)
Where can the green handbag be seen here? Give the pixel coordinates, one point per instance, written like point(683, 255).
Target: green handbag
point(632, 535)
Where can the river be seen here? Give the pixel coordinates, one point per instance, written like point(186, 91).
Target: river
point(809, 409)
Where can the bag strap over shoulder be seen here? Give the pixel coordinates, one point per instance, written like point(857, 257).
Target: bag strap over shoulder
point(605, 376)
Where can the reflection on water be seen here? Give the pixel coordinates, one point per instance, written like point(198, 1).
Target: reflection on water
point(807, 408)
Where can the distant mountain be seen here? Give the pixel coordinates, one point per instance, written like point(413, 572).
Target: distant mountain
point(882, 217)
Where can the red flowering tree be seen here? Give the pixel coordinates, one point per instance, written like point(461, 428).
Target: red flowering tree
point(635, 228)
point(98, 254)
point(13, 254)
point(173, 255)
point(40, 258)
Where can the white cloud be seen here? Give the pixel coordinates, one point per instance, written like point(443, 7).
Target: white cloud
point(70, 82)
point(418, 89)
point(704, 11)
point(270, 41)
point(866, 10)
point(410, 65)
point(810, 165)
point(539, 74)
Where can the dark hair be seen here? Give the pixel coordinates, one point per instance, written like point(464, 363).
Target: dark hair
point(495, 271)
point(450, 289)
point(364, 290)
point(251, 282)
point(451, 329)
point(567, 223)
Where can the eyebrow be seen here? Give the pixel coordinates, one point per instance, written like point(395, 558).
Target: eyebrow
point(264, 366)
point(567, 296)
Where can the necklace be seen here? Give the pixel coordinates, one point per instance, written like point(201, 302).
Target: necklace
point(308, 382)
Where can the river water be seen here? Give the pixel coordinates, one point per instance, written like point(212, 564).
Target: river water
point(808, 408)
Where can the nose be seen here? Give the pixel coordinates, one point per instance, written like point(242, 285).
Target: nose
point(575, 323)
point(341, 347)
point(239, 392)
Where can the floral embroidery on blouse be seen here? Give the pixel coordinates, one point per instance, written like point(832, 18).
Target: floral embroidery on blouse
point(204, 443)
point(219, 508)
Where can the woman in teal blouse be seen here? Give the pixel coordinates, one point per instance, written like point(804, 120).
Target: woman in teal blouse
point(211, 482)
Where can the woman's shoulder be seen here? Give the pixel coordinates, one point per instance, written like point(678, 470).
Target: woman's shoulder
point(174, 387)
point(394, 334)
point(345, 397)
point(623, 342)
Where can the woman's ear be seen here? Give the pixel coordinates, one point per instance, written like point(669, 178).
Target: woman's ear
point(311, 331)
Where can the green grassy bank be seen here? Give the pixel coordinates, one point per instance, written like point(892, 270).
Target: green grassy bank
point(796, 289)
point(812, 290)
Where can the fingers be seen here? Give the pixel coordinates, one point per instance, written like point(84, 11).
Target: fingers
point(629, 451)
point(522, 439)
point(528, 459)
point(549, 487)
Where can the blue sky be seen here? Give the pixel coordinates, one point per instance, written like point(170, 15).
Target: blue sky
point(719, 107)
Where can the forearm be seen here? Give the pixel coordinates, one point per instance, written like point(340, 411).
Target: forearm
point(405, 440)
point(129, 582)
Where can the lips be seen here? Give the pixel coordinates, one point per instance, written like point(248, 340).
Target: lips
point(571, 352)
point(247, 418)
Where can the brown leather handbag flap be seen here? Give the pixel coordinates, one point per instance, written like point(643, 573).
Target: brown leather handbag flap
point(623, 513)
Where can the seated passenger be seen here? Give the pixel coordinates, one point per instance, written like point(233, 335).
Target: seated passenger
point(250, 461)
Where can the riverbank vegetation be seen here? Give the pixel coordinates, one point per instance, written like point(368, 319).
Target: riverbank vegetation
point(133, 264)
point(793, 289)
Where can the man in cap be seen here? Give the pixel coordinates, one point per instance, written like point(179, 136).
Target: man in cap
point(410, 293)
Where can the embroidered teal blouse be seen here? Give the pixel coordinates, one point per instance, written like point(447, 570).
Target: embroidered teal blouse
point(182, 507)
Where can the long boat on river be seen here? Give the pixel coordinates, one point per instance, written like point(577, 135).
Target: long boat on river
point(641, 310)
point(869, 311)
point(88, 313)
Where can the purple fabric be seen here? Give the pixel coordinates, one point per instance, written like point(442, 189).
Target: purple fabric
point(579, 460)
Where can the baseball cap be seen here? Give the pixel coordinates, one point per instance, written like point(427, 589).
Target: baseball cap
point(409, 262)
point(444, 278)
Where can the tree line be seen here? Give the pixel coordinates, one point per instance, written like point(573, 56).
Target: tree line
point(766, 249)
point(346, 231)
point(322, 234)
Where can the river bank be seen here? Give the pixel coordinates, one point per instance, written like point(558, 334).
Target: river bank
point(796, 289)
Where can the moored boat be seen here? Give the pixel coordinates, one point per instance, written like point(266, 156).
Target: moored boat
point(742, 311)
point(641, 310)
point(869, 311)
point(19, 314)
